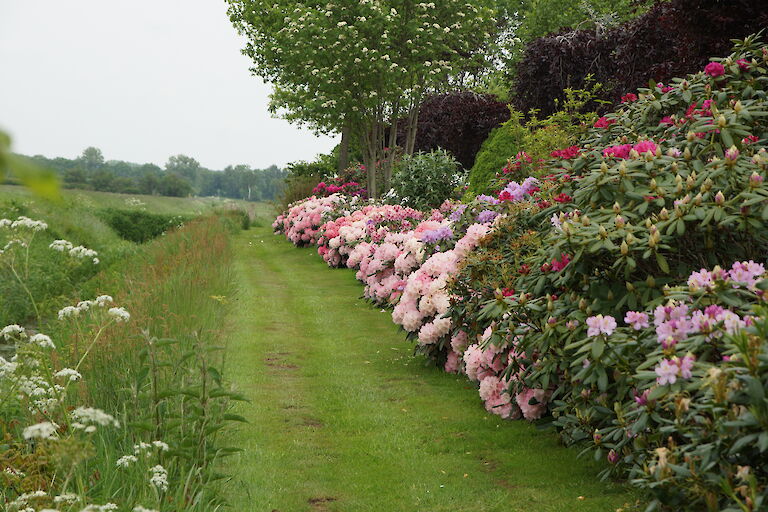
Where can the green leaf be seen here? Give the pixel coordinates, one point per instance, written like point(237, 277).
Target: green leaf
point(662, 262)
point(598, 347)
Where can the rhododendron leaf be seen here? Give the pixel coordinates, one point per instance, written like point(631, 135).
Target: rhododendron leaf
point(657, 392)
point(602, 379)
point(662, 262)
point(725, 135)
point(656, 104)
point(598, 347)
point(687, 96)
point(762, 442)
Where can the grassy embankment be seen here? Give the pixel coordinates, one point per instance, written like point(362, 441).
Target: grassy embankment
point(344, 418)
point(169, 390)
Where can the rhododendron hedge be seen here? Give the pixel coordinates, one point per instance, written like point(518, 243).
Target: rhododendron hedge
point(623, 291)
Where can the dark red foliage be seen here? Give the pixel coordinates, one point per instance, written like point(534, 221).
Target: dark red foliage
point(458, 122)
point(673, 38)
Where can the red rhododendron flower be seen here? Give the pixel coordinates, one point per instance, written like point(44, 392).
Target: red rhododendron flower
point(604, 122)
point(750, 139)
point(629, 97)
point(524, 269)
point(743, 64)
point(558, 265)
point(505, 196)
point(507, 292)
point(567, 153)
point(714, 69)
point(562, 198)
point(667, 120)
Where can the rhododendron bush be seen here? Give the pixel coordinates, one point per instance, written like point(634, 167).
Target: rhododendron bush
point(623, 291)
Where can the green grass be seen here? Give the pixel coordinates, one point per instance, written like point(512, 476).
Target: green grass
point(155, 204)
point(344, 418)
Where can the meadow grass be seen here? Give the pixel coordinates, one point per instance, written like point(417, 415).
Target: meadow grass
point(344, 418)
point(159, 375)
point(91, 199)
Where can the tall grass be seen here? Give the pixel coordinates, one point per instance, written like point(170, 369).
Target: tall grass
point(159, 375)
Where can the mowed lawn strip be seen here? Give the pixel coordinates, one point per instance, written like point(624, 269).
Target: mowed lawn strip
point(344, 418)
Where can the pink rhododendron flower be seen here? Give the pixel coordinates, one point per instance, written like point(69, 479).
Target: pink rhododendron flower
point(744, 64)
point(533, 403)
point(714, 69)
point(600, 324)
point(453, 363)
point(667, 372)
point(638, 320)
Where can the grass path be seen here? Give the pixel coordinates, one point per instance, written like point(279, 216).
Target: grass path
point(344, 418)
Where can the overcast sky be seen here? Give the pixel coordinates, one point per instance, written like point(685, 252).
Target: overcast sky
point(139, 79)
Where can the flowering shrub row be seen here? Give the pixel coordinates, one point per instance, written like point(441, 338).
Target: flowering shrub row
point(563, 293)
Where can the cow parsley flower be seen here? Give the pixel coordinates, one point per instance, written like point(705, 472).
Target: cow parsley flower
point(119, 314)
point(126, 460)
point(44, 430)
point(159, 477)
point(69, 374)
point(42, 340)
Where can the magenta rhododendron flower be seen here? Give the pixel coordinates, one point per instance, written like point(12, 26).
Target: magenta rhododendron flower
point(645, 146)
point(600, 324)
point(620, 151)
point(744, 64)
point(714, 69)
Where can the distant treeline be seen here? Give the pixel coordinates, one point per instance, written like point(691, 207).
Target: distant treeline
point(182, 176)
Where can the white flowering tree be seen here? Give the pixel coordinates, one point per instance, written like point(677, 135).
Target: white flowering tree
point(353, 65)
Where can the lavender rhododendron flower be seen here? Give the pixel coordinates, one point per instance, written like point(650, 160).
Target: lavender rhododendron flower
point(486, 216)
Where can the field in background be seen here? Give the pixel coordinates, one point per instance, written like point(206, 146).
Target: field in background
point(154, 204)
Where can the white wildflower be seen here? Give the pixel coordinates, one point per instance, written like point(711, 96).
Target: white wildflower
point(126, 460)
point(61, 245)
point(67, 312)
point(159, 477)
point(26, 222)
point(68, 498)
point(44, 430)
point(13, 330)
point(69, 373)
point(82, 252)
point(102, 300)
point(139, 508)
point(163, 447)
point(42, 340)
point(119, 314)
point(90, 415)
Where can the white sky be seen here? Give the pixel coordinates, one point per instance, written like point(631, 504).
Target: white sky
point(141, 80)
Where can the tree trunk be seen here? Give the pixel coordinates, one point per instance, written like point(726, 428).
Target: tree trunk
point(344, 147)
point(389, 164)
point(413, 119)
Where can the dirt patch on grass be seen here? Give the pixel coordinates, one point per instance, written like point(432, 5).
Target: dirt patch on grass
point(320, 503)
point(277, 361)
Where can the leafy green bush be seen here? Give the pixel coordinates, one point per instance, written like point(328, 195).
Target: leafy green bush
point(425, 180)
point(501, 145)
point(520, 148)
point(139, 226)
